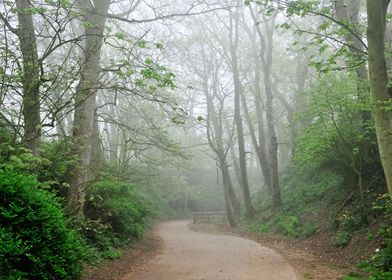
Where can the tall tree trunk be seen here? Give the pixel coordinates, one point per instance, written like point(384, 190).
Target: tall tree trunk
point(234, 41)
point(259, 143)
point(123, 148)
point(69, 121)
point(31, 76)
point(85, 102)
point(266, 62)
point(388, 39)
point(235, 202)
point(97, 157)
point(299, 99)
point(273, 149)
point(273, 141)
point(234, 197)
point(236, 165)
point(228, 196)
point(259, 147)
point(380, 93)
point(112, 136)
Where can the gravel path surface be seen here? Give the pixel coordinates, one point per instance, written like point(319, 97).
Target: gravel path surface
point(190, 255)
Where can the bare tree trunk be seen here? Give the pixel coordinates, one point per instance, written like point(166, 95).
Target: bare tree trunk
point(85, 103)
point(234, 40)
point(266, 62)
point(273, 153)
point(380, 93)
point(60, 129)
point(236, 165)
point(69, 121)
point(259, 143)
point(123, 148)
point(31, 77)
point(229, 205)
point(299, 100)
point(235, 202)
point(97, 158)
point(112, 136)
point(388, 39)
point(259, 147)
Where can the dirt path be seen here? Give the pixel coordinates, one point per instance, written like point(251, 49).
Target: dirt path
point(190, 255)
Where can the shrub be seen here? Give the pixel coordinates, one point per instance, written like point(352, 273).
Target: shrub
point(380, 266)
point(35, 242)
point(342, 238)
point(118, 214)
point(289, 225)
point(309, 229)
point(285, 224)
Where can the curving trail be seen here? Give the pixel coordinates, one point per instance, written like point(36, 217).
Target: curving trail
point(189, 255)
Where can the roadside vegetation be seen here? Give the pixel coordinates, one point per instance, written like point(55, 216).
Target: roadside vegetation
point(116, 114)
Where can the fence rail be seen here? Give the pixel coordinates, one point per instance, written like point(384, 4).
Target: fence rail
point(210, 218)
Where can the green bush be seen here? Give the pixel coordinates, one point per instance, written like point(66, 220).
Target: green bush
point(35, 242)
point(285, 224)
point(309, 229)
point(117, 214)
point(342, 238)
point(292, 226)
point(380, 266)
point(289, 225)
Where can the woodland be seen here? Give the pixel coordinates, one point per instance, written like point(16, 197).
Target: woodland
point(118, 113)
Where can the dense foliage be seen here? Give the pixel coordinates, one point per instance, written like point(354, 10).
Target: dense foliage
point(335, 173)
point(117, 214)
point(35, 239)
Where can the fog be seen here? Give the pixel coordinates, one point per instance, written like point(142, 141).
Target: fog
point(205, 104)
point(266, 117)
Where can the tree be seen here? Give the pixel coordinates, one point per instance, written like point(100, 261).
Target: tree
point(215, 140)
point(259, 138)
point(234, 42)
point(379, 83)
point(215, 99)
point(85, 102)
point(266, 62)
point(31, 76)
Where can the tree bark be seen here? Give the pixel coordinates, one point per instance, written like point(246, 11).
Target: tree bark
point(234, 42)
point(302, 70)
point(31, 77)
point(258, 141)
point(229, 205)
point(85, 102)
point(123, 148)
point(266, 63)
point(97, 157)
point(236, 165)
point(380, 93)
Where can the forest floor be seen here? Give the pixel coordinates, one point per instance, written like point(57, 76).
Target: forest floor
point(134, 259)
point(177, 251)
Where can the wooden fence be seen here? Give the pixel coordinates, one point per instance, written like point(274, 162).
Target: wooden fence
point(219, 218)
